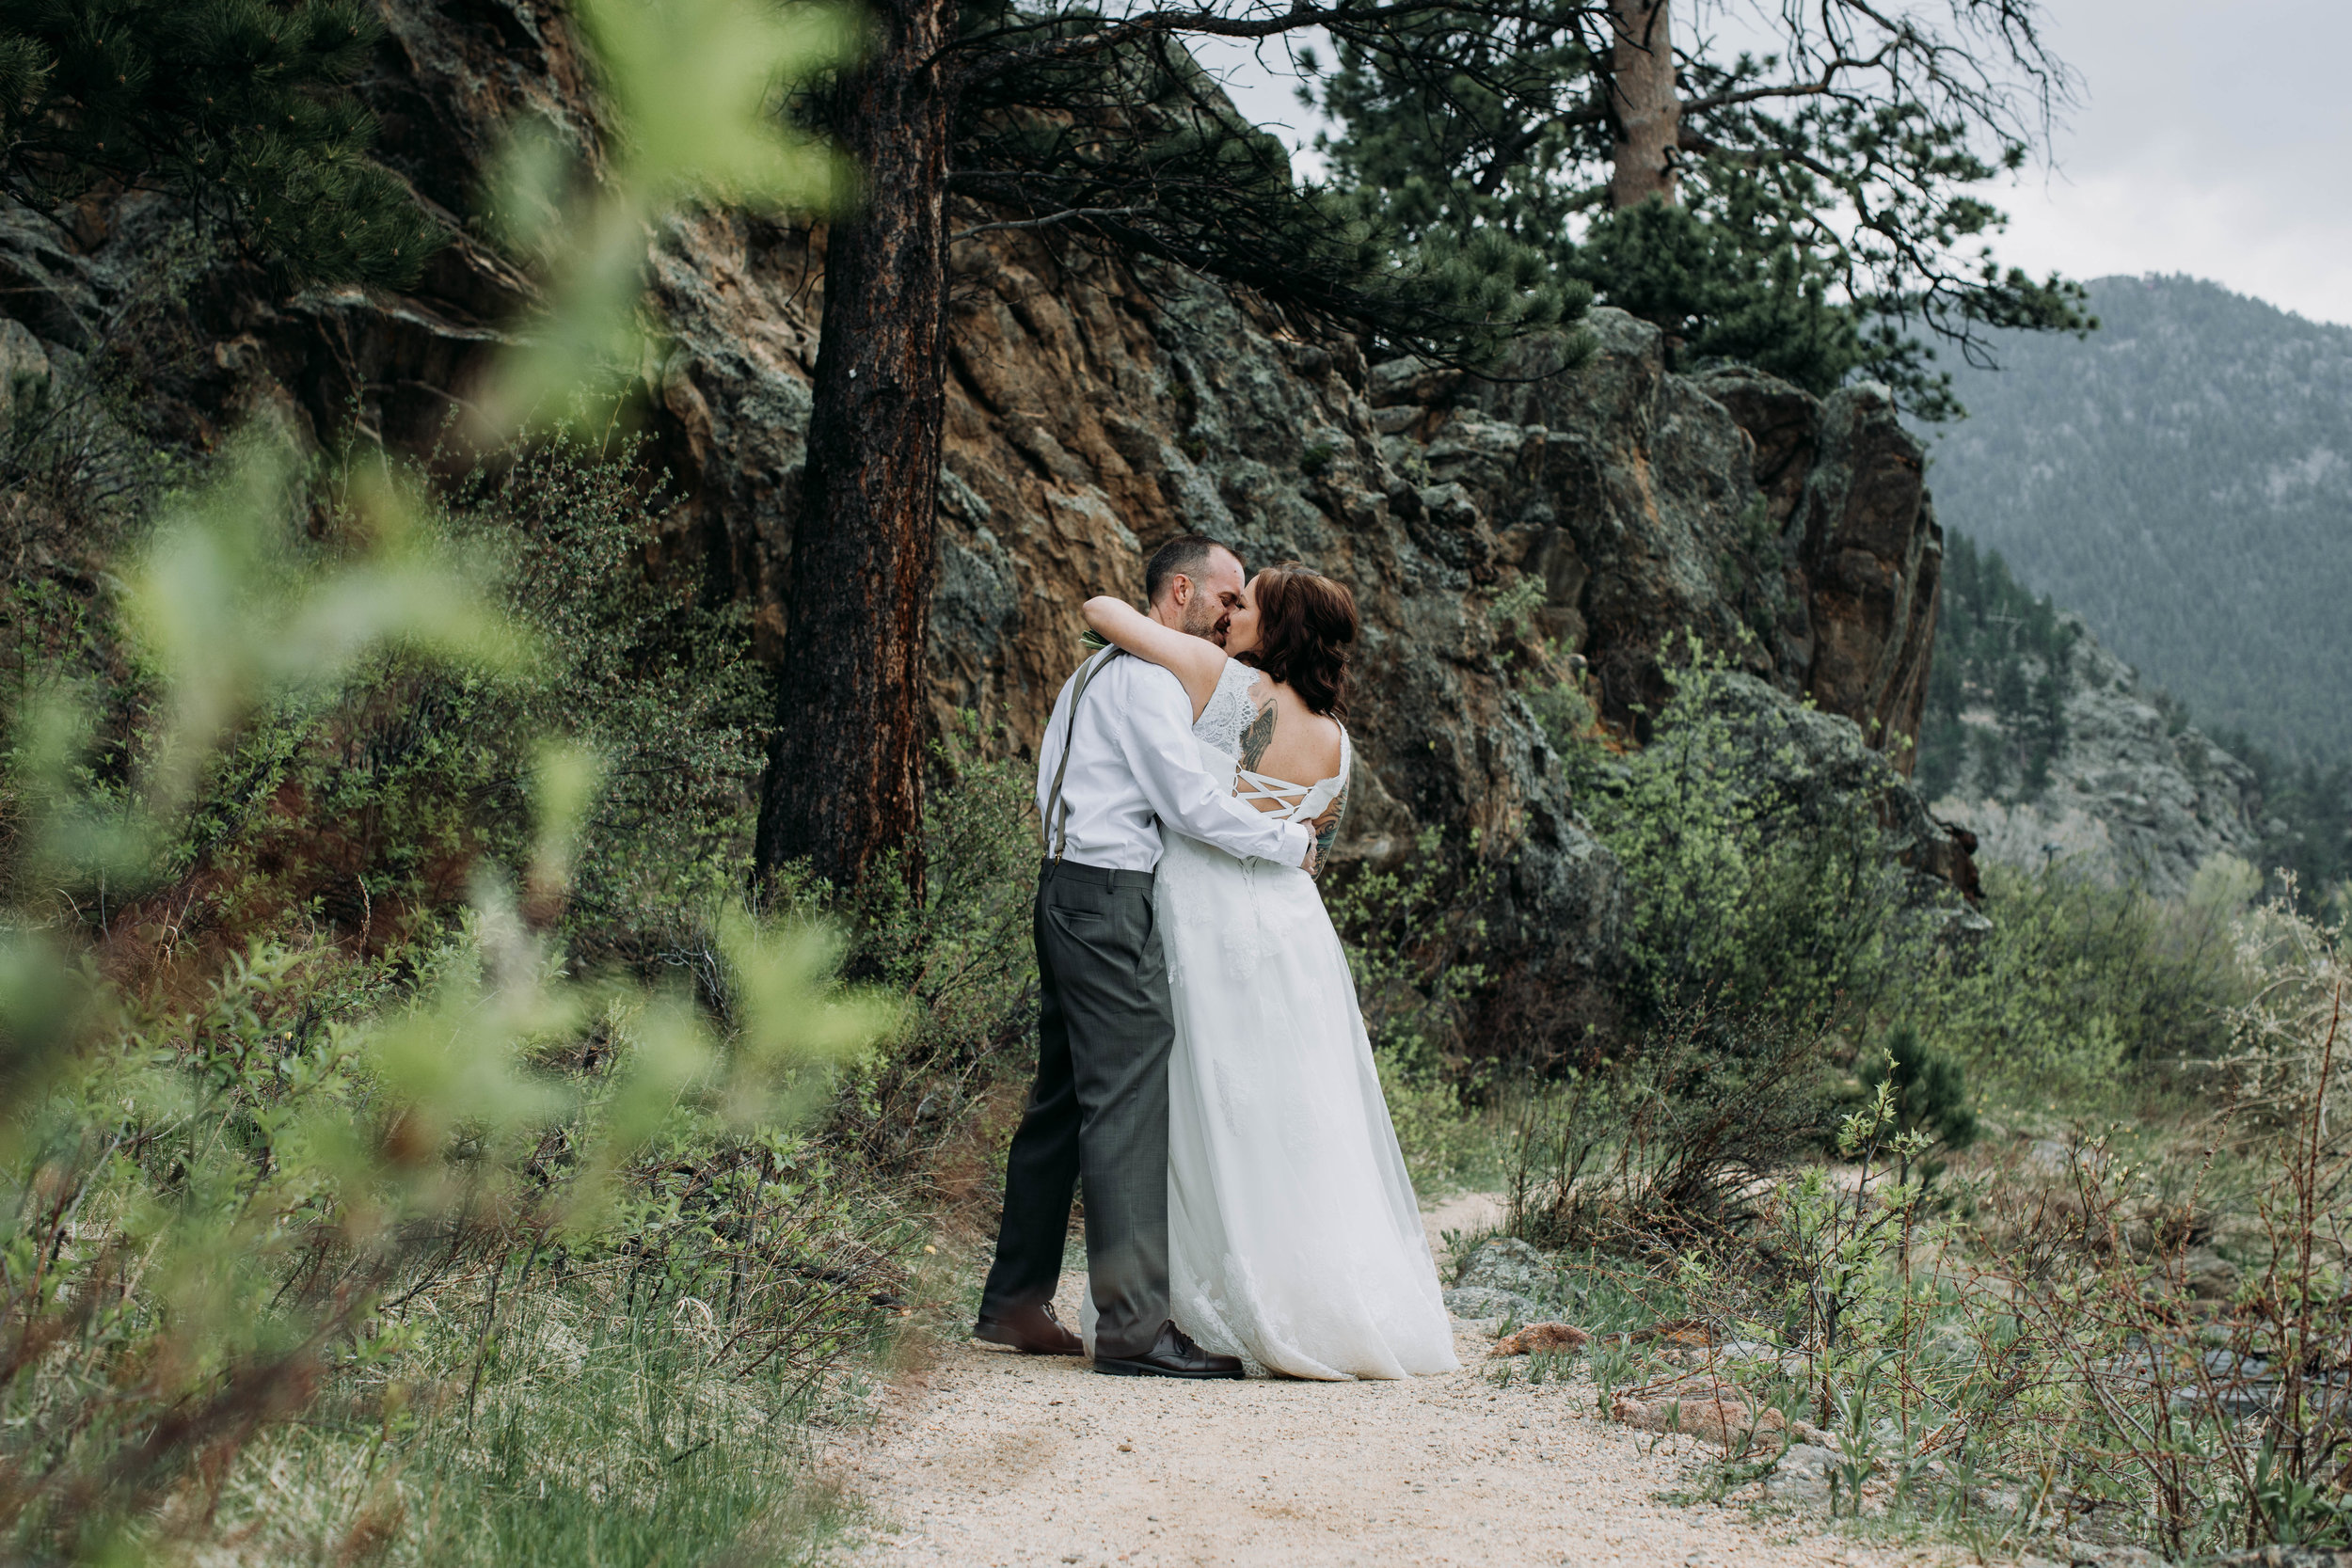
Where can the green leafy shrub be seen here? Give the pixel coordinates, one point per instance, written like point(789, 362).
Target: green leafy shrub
point(306, 1110)
point(2277, 1064)
point(230, 1174)
point(362, 805)
point(1449, 1140)
point(658, 682)
point(2207, 1429)
point(961, 955)
point(1413, 931)
point(1569, 717)
point(308, 1182)
point(1928, 1090)
point(1756, 886)
point(2077, 986)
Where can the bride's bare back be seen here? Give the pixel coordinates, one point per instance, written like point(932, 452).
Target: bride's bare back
point(1287, 741)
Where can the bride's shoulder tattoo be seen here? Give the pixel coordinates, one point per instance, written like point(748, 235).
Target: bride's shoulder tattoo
point(1258, 737)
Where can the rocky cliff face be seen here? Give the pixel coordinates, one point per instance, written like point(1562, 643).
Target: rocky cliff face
point(2133, 795)
point(1096, 410)
point(1790, 532)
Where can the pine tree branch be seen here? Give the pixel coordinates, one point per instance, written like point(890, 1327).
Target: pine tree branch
point(1756, 157)
point(1822, 85)
point(1066, 215)
point(1343, 20)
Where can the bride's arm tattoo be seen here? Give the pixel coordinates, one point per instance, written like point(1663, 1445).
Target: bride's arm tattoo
point(1257, 737)
point(1327, 829)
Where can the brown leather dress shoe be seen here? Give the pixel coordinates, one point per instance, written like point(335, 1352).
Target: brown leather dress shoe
point(1030, 1330)
point(1172, 1354)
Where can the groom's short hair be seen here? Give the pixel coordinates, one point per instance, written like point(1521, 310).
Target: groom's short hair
point(1183, 556)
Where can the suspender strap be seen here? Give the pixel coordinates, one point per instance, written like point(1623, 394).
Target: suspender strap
point(1058, 814)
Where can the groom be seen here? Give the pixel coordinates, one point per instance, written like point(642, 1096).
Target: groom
point(1117, 762)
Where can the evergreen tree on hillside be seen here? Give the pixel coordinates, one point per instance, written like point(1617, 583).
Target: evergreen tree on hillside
point(1811, 210)
point(1137, 150)
point(1997, 648)
point(2306, 823)
point(239, 107)
point(1931, 1088)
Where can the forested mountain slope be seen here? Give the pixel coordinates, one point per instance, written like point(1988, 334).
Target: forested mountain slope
point(2183, 478)
point(2046, 746)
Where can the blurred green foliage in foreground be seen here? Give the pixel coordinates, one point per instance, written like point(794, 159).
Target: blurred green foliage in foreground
point(304, 1084)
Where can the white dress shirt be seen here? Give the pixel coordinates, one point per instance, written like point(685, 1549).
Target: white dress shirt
point(1132, 765)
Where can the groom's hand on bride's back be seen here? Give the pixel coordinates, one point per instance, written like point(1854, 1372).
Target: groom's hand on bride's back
point(1312, 865)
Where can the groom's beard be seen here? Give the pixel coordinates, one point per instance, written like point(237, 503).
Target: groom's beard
point(1209, 621)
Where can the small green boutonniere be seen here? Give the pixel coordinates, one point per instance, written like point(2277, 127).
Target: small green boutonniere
point(1095, 641)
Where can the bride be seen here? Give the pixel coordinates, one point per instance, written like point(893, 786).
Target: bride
point(1295, 1241)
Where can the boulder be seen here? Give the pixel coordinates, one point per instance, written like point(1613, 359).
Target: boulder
point(1480, 1304)
point(1504, 1278)
point(1866, 543)
point(2207, 1275)
point(1507, 1263)
point(1717, 1410)
point(1543, 1338)
point(1800, 1477)
point(23, 368)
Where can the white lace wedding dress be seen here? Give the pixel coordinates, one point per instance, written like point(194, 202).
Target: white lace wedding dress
point(1295, 1241)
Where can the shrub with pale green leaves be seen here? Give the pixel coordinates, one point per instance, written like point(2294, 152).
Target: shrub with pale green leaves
point(230, 1165)
point(1746, 894)
point(1413, 930)
point(301, 1089)
point(2079, 987)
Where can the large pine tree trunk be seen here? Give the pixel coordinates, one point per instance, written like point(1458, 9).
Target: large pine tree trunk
point(844, 780)
point(1641, 93)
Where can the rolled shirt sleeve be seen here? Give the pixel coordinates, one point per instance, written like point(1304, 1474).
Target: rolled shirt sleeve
point(1155, 731)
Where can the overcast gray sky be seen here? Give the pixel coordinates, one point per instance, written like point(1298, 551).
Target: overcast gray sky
point(2212, 138)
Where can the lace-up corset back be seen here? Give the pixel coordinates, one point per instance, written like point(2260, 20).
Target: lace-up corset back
point(1227, 717)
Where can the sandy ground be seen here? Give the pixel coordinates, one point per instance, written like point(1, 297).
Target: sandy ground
point(989, 1457)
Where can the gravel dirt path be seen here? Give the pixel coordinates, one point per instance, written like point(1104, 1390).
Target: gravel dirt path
point(988, 1457)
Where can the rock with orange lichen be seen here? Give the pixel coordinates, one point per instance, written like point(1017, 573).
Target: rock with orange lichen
point(1542, 1337)
point(1710, 1408)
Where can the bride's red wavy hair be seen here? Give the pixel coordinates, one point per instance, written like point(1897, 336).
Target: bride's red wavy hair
point(1305, 624)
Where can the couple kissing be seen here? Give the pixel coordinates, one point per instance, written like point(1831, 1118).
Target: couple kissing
point(1202, 1060)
